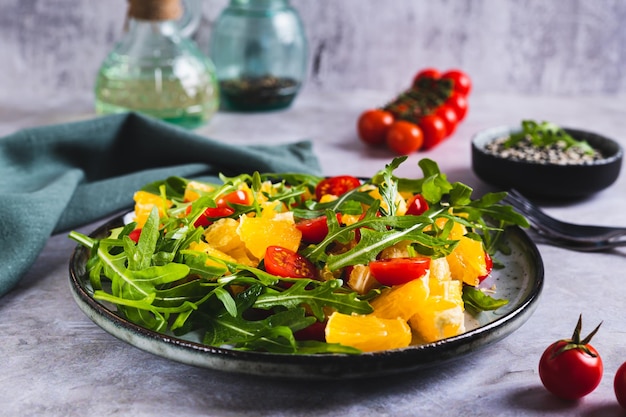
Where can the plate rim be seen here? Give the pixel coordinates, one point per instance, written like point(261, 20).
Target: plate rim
point(307, 366)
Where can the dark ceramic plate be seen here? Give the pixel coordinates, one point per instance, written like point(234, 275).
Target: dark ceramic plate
point(520, 282)
point(547, 180)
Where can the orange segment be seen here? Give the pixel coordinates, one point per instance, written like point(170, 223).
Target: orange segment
point(144, 201)
point(271, 229)
point(440, 318)
point(402, 300)
point(467, 261)
point(194, 189)
point(222, 235)
point(367, 333)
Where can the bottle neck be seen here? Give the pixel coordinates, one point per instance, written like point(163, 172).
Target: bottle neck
point(155, 10)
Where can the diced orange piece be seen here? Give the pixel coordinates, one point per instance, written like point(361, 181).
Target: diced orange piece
point(440, 318)
point(144, 201)
point(194, 189)
point(367, 333)
point(222, 235)
point(271, 229)
point(467, 261)
point(402, 300)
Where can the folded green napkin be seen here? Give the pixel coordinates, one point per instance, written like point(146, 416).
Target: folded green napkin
point(55, 178)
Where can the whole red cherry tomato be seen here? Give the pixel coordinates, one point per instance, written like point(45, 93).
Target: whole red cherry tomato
point(416, 205)
point(449, 117)
point(459, 104)
point(373, 125)
point(404, 137)
point(286, 263)
point(571, 368)
point(431, 73)
point(336, 185)
point(619, 385)
point(396, 271)
point(461, 82)
point(434, 130)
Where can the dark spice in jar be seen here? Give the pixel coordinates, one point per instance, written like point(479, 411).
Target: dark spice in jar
point(558, 153)
point(258, 93)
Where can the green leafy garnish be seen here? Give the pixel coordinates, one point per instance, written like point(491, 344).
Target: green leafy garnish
point(545, 134)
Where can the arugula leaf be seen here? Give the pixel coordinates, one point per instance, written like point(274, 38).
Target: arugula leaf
point(478, 301)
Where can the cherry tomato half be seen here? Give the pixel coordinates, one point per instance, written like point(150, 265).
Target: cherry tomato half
point(416, 205)
point(459, 104)
point(134, 235)
point(434, 129)
point(571, 368)
point(461, 82)
point(488, 265)
point(449, 117)
point(396, 271)
point(235, 197)
point(314, 230)
point(404, 137)
point(373, 125)
point(619, 385)
point(212, 213)
point(338, 185)
point(286, 263)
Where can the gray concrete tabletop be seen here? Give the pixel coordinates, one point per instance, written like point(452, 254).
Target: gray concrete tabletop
point(55, 361)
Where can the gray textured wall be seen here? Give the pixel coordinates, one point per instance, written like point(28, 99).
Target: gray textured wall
point(54, 47)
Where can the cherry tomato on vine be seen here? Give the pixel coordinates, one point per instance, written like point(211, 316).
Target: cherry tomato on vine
point(459, 104)
point(235, 197)
point(619, 385)
point(336, 185)
point(286, 263)
point(396, 271)
point(314, 230)
point(488, 265)
point(416, 205)
point(373, 125)
point(434, 130)
point(449, 117)
point(432, 73)
point(461, 82)
point(404, 137)
point(571, 368)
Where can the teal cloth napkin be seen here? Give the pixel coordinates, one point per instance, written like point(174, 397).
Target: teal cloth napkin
point(56, 178)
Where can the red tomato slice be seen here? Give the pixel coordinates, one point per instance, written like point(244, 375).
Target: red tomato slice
point(134, 235)
point(235, 197)
point(212, 213)
point(416, 205)
point(314, 230)
point(396, 271)
point(336, 185)
point(489, 265)
point(286, 263)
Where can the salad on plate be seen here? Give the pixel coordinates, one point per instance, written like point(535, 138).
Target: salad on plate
point(300, 264)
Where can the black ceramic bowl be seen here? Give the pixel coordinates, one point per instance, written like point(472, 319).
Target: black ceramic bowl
point(547, 180)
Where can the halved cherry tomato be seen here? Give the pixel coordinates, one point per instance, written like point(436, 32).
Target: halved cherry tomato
point(434, 130)
point(404, 137)
point(416, 205)
point(488, 265)
point(336, 185)
point(286, 263)
point(236, 197)
point(314, 230)
point(396, 271)
point(134, 235)
point(315, 331)
point(458, 102)
point(461, 82)
point(449, 117)
point(373, 125)
point(212, 213)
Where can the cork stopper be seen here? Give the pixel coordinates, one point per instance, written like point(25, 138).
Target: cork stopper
point(155, 10)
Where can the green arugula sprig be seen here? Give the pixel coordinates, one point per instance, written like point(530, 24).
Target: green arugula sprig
point(545, 134)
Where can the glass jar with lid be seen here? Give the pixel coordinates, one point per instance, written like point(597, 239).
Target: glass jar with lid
point(259, 49)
